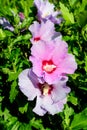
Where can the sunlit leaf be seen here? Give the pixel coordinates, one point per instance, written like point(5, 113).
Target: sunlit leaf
point(13, 91)
point(67, 15)
point(80, 121)
point(23, 109)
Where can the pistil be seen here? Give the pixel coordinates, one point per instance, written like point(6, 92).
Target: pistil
point(48, 66)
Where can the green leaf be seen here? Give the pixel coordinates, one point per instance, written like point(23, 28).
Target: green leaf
point(73, 100)
point(13, 91)
point(4, 10)
point(83, 88)
point(8, 33)
point(74, 76)
point(26, 6)
point(37, 124)
point(23, 109)
point(84, 32)
point(83, 5)
point(13, 76)
point(76, 51)
point(80, 121)
point(15, 126)
point(2, 35)
point(24, 126)
point(16, 19)
point(69, 18)
point(85, 62)
point(72, 2)
point(21, 38)
point(68, 111)
point(6, 70)
point(82, 18)
point(1, 98)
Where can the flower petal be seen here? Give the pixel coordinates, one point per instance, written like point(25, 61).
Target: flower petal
point(53, 108)
point(60, 51)
point(34, 28)
point(38, 108)
point(42, 50)
point(47, 30)
point(60, 91)
point(68, 65)
point(36, 66)
point(26, 85)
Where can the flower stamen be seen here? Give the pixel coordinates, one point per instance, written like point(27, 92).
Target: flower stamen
point(48, 66)
point(45, 88)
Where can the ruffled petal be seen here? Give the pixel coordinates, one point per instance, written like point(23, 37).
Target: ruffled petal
point(60, 91)
point(68, 65)
point(42, 50)
point(48, 105)
point(38, 108)
point(27, 86)
point(34, 28)
point(37, 66)
point(47, 30)
point(53, 108)
point(60, 51)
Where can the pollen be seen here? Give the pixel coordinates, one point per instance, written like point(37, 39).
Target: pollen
point(46, 89)
point(48, 66)
point(45, 15)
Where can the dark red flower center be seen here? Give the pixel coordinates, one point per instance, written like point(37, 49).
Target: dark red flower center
point(45, 88)
point(36, 39)
point(48, 66)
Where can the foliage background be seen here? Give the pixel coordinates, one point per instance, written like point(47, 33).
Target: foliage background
point(15, 111)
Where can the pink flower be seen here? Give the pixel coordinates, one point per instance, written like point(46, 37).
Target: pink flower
point(45, 11)
point(52, 61)
point(49, 98)
point(21, 15)
point(43, 32)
